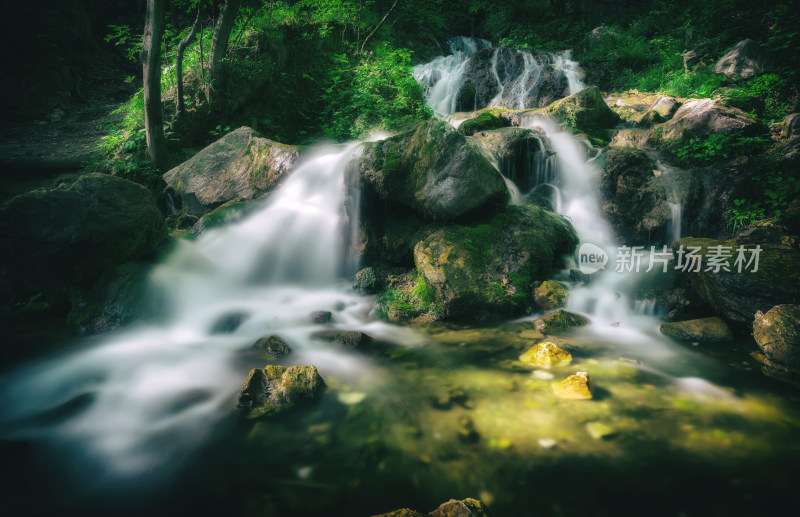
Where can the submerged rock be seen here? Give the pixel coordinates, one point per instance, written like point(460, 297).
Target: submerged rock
point(488, 269)
point(546, 355)
point(744, 60)
point(240, 165)
point(466, 430)
point(321, 317)
point(559, 320)
point(348, 338)
point(272, 346)
point(708, 330)
point(62, 240)
point(586, 111)
point(368, 281)
point(777, 333)
point(549, 295)
point(432, 170)
point(275, 389)
point(574, 387)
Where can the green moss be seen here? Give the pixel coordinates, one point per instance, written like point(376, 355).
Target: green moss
point(483, 122)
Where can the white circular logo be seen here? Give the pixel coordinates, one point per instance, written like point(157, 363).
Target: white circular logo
point(591, 258)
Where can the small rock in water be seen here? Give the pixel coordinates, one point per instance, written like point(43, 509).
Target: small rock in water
point(599, 430)
point(351, 398)
point(547, 443)
point(272, 346)
point(275, 389)
point(304, 472)
point(322, 317)
point(546, 355)
point(466, 431)
point(559, 320)
point(574, 387)
point(228, 323)
point(350, 339)
point(452, 397)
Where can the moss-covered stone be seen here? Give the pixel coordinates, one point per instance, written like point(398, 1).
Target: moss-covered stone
point(708, 330)
point(275, 389)
point(272, 346)
point(432, 170)
point(546, 355)
point(549, 295)
point(488, 269)
point(240, 165)
point(482, 122)
point(586, 111)
point(574, 387)
point(347, 338)
point(559, 320)
point(453, 508)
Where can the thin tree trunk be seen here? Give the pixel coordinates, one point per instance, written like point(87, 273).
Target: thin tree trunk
point(179, 104)
point(151, 71)
point(377, 27)
point(219, 43)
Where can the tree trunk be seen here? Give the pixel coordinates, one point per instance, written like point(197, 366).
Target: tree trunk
point(219, 43)
point(151, 70)
point(179, 104)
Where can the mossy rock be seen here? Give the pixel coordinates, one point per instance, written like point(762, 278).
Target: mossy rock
point(574, 387)
point(777, 333)
point(453, 508)
point(432, 170)
point(559, 320)
point(586, 112)
point(485, 270)
point(549, 295)
point(708, 330)
point(482, 122)
point(272, 346)
point(735, 296)
point(275, 389)
point(546, 355)
point(347, 338)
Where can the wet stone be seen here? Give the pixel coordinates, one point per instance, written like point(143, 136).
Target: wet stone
point(574, 387)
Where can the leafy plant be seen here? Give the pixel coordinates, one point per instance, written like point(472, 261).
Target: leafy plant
point(701, 152)
point(744, 214)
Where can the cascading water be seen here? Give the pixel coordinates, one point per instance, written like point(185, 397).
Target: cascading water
point(134, 401)
point(518, 76)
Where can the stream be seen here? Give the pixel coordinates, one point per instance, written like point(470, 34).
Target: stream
point(143, 420)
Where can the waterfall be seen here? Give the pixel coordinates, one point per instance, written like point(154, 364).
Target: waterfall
point(518, 75)
point(134, 401)
point(676, 214)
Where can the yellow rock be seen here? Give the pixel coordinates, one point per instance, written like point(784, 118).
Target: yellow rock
point(574, 387)
point(546, 354)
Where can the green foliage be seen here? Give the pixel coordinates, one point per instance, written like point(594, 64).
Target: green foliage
point(773, 90)
point(376, 93)
point(744, 214)
point(701, 152)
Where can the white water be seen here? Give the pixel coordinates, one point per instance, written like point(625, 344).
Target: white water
point(676, 216)
point(443, 78)
point(153, 392)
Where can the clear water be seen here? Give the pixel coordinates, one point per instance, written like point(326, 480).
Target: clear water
point(144, 420)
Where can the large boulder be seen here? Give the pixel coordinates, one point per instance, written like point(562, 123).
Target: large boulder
point(703, 117)
point(488, 269)
point(523, 155)
point(738, 296)
point(586, 111)
point(275, 389)
point(61, 241)
point(744, 60)
point(633, 198)
point(519, 89)
point(240, 165)
point(704, 330)
point(777, 333)
point(432, 170)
